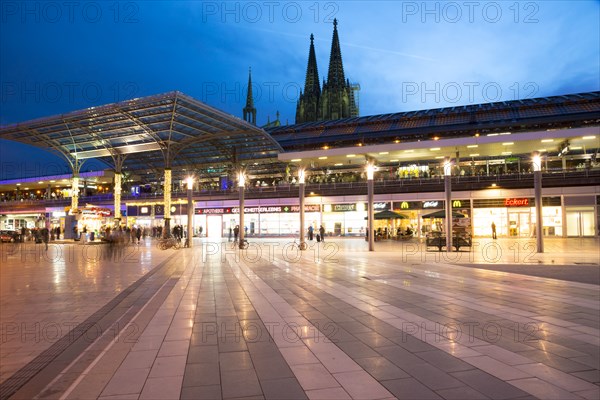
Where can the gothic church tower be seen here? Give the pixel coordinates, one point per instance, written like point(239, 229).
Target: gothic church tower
point(337, 100)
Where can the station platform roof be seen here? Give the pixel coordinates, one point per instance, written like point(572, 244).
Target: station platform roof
point(146, 135)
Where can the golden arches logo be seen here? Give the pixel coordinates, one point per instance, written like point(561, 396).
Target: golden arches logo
point(456, 203)
point(404, 204)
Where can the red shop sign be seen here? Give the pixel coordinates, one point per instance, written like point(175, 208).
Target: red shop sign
point(516, 202)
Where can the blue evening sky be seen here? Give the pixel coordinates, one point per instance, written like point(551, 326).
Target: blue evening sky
point(57, 57)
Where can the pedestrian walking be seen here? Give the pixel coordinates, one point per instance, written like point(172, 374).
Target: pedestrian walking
point(493, 230)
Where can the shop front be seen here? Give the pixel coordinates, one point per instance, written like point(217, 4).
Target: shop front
point(415, 210)
point(580, 216)
point(349, 219)
point(515, 217)
point(259, 221)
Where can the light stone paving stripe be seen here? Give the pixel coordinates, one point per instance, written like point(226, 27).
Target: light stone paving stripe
point(490, 308)
point(335, 368)
point(132, 375)
point(488, 364)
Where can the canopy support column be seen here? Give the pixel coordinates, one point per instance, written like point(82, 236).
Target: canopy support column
point(167, 201)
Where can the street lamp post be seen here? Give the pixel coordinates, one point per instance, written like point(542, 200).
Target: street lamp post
point(448, 194)
point(302, 238)
point(370, 214)
point(241, 186)
point(537, 184)
point(190, 211)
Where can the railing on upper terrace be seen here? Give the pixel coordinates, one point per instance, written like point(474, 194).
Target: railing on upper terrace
point(465, 182)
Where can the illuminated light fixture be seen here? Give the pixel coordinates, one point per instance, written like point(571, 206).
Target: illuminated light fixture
point(542, 150)
point(384, 152)
point(394, 160)
point(350, 155)
point(397, 141)
point(55, 181)
point(190, 183)
point(477, 135)
point(447, 167)
point(323, 158)
point(296, 160)
point(547, 140)
point(436, 138)
point(576, 147)
point(504, 133)
point(312, 193)
point(26, 188)
point(241, 179)
point(506, 153)
point(434, 149)
point(40, 182)
point(370, 171)
point(588, 137)
point(301, 176)
point(409, 151)
point(474, 155)
point(492, 134)
point(338, 164)
point(472, 146)
point(494, 185)
point(439, 157)
point(359, 144)
point(508, 143)
point(18, 184)
point(537, 162)
point(325, 147)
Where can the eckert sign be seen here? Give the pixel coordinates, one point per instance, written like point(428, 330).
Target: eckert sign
point(516, 202)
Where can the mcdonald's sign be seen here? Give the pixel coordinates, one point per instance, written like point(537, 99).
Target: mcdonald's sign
point(456, 203)
point(404, 205)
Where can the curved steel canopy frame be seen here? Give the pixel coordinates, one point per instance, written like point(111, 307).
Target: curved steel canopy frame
point(146, 135)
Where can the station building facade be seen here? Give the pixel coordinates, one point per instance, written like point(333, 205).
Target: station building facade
point(490, 146)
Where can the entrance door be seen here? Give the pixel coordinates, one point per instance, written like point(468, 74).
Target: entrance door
point(213, 226)
point(519, 224)
point(580, 223)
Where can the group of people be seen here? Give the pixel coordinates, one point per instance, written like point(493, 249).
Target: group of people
point(320, 235)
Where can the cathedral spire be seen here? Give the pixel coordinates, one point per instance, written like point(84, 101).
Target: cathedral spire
point(335, 76)
point(311, 84)
point(249, 110)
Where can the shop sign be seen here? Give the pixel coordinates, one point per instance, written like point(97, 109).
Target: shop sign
point(343, 207)
point(259, 209)
point(212, 211)
point(432, 204)
point(404, 205)
point(307, 208)
point(461, 203)
point(159, 209)
point(381, 206)
point(515, 202)
point(98, 211)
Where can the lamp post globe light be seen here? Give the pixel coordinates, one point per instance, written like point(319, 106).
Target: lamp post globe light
point(447, 166)
point(370, 169)
point(190, 211)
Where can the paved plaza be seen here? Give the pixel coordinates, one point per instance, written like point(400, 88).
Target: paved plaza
point(335, 322)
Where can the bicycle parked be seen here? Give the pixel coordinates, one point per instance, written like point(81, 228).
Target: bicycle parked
point(242, 245)
point(297, 245)
point(168, 243)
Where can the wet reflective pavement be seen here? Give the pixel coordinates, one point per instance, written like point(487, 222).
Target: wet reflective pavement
point(268, 322)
